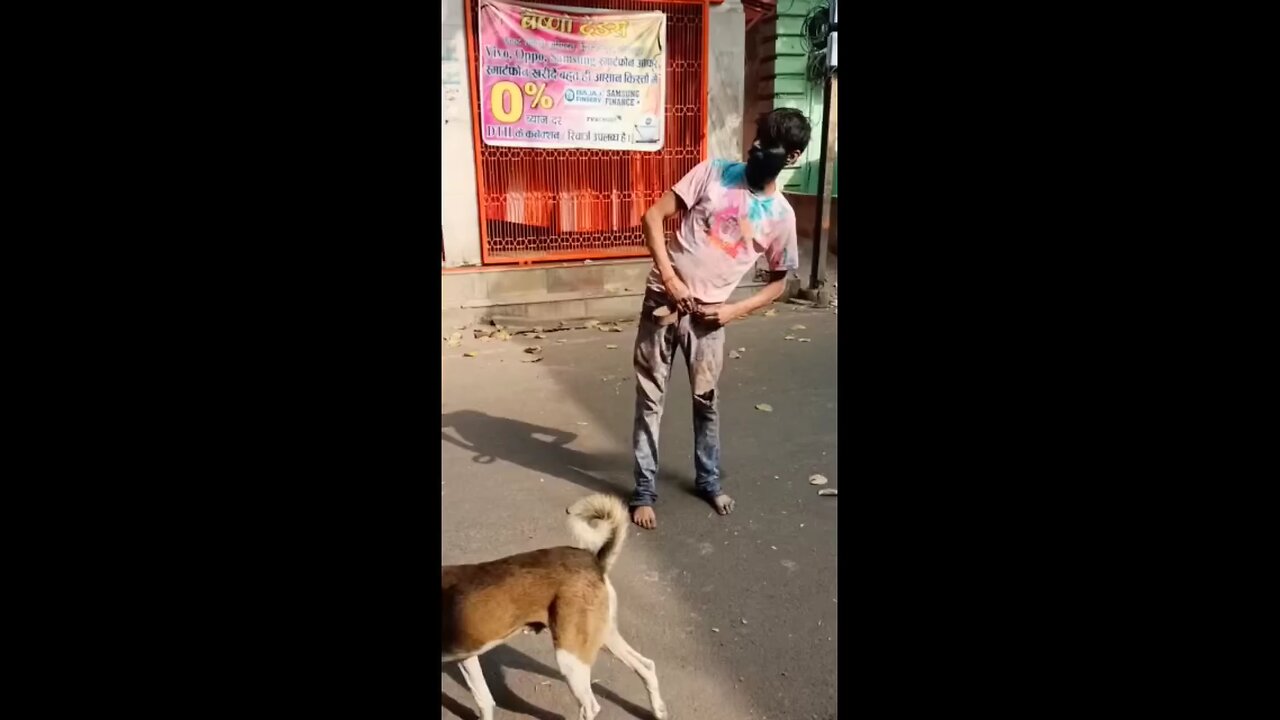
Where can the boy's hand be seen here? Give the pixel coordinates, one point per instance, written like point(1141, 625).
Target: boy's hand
point(721, 315)
point(679, 293)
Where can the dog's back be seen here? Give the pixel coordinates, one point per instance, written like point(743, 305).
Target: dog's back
point(484, 604)
point(491, 601)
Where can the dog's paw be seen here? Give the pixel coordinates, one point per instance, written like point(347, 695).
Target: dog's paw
point(660, 712)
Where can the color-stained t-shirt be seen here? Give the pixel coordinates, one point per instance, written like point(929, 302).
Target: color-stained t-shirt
point(728, 226)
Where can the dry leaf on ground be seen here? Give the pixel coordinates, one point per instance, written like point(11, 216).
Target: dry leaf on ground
point(764, 407)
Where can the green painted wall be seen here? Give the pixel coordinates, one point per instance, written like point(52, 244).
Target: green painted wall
point(792, 89)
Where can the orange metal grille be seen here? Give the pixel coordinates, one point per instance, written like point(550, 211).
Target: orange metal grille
point(545, 205)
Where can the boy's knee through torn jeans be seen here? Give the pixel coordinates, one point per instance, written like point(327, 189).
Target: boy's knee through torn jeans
point(703, 347)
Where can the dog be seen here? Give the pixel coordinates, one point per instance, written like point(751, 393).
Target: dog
point(565, 589)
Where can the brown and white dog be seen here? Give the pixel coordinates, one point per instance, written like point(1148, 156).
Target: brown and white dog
point(563, 588)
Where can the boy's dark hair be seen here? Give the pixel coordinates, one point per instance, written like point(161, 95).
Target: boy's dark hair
point(787, 127)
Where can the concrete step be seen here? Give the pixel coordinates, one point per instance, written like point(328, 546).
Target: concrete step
point(547, 312)
point(516, 284)
point(525, 298)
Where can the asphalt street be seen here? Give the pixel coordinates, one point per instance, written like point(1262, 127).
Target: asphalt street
point(738, 612)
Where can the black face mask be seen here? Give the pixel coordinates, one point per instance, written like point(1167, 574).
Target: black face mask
point(764, 165)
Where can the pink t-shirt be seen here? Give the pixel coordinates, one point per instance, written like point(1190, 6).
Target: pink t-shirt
point(726, 229)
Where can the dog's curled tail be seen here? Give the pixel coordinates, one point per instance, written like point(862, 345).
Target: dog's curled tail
point(599, 524)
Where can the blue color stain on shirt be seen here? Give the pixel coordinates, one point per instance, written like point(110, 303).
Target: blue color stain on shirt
point(760, 209)
point(734, 175)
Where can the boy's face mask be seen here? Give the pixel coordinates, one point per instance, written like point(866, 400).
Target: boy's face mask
point(764, 165)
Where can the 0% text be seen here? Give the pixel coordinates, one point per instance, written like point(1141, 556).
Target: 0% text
point(506, 100)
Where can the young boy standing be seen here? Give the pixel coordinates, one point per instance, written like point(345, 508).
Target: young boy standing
point(734, 213)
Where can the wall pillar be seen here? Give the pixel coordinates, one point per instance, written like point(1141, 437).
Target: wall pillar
point(459, 209)
point(726, 64)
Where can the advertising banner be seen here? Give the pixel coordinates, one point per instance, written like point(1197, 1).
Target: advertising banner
point(553, 77)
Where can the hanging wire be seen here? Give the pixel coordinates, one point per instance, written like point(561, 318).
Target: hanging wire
point(816, 27)
point(814, 31)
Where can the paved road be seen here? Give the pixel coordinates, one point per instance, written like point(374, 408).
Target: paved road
point(739, 613)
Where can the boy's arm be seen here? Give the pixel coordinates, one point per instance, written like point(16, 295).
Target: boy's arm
point(656, 241)
point(770, 292)
point(784, 256)
point(728, 312)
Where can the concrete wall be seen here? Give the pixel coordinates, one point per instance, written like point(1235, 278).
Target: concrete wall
point(459, 209)
point(726, 62)
point(757, 95)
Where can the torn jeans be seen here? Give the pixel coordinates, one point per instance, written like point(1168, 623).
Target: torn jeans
point(702, 345)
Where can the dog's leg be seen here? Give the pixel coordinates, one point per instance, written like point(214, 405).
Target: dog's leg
point(479, 689)
point(578, 675)
point(643, 666)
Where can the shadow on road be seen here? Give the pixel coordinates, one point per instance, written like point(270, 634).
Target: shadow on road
point(505, 656)
point(498, 438)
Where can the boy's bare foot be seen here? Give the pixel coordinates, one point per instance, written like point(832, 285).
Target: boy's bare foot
point(644, 517)
point(723, 504)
